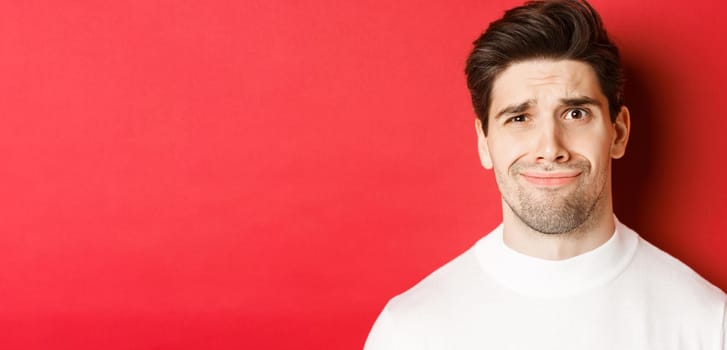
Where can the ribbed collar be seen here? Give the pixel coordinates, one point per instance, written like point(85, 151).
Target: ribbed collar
point(537, 277)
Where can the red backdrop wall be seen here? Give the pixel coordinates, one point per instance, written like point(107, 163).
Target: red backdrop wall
point(266, 174)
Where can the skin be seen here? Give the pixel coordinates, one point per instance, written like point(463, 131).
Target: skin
point(550, 142)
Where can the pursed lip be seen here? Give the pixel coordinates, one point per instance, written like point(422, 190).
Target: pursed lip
point(551, 178)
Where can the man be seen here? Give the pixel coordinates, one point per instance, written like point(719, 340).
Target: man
point(560, 272)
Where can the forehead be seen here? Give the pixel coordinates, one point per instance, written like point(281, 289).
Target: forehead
point(542, 81)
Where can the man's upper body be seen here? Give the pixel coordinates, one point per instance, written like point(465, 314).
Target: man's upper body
point(560, 272)
point(625, 294)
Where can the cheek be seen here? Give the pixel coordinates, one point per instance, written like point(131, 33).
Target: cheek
point(594, 145)
point(505, 151)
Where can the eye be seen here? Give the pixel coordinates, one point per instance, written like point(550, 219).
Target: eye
point(517, 119)
point(576, 113)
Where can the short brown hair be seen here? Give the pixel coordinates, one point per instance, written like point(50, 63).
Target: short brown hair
point(556, 29)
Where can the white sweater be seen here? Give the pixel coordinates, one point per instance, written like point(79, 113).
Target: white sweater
point(625, 294)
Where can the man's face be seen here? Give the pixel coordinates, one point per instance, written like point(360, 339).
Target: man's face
point(550, 142)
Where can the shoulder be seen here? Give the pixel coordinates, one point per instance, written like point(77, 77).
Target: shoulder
point(447, 291)
point(674, 290)
point(440, 286)
point(669, 272)
point(675, 294)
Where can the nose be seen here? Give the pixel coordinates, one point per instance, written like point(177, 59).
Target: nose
point(550, 146)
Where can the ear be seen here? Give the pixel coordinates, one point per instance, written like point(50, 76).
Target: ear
point(621, 127)
point(482, 148)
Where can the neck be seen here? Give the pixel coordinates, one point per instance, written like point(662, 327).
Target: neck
point(597, 229)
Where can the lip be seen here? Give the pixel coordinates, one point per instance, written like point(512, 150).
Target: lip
point(551, 178)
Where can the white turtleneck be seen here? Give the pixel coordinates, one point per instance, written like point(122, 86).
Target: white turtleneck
point(625, 294)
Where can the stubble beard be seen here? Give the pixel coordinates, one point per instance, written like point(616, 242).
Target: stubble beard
point(551, 211)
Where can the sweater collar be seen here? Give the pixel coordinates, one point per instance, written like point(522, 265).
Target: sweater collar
point(537, 277)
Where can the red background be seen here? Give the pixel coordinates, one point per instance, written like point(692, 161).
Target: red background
point(267, 174)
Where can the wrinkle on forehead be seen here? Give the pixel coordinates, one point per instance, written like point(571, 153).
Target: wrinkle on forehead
point(557, 74)
point(544, 79)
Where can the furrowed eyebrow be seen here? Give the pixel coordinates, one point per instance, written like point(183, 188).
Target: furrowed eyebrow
point(580, 101)
point(514, 109)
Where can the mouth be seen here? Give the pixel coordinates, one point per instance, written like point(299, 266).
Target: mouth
point(550, 179)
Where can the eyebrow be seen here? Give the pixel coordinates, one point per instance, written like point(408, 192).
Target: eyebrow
point(515, 108)
point(580, 101)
